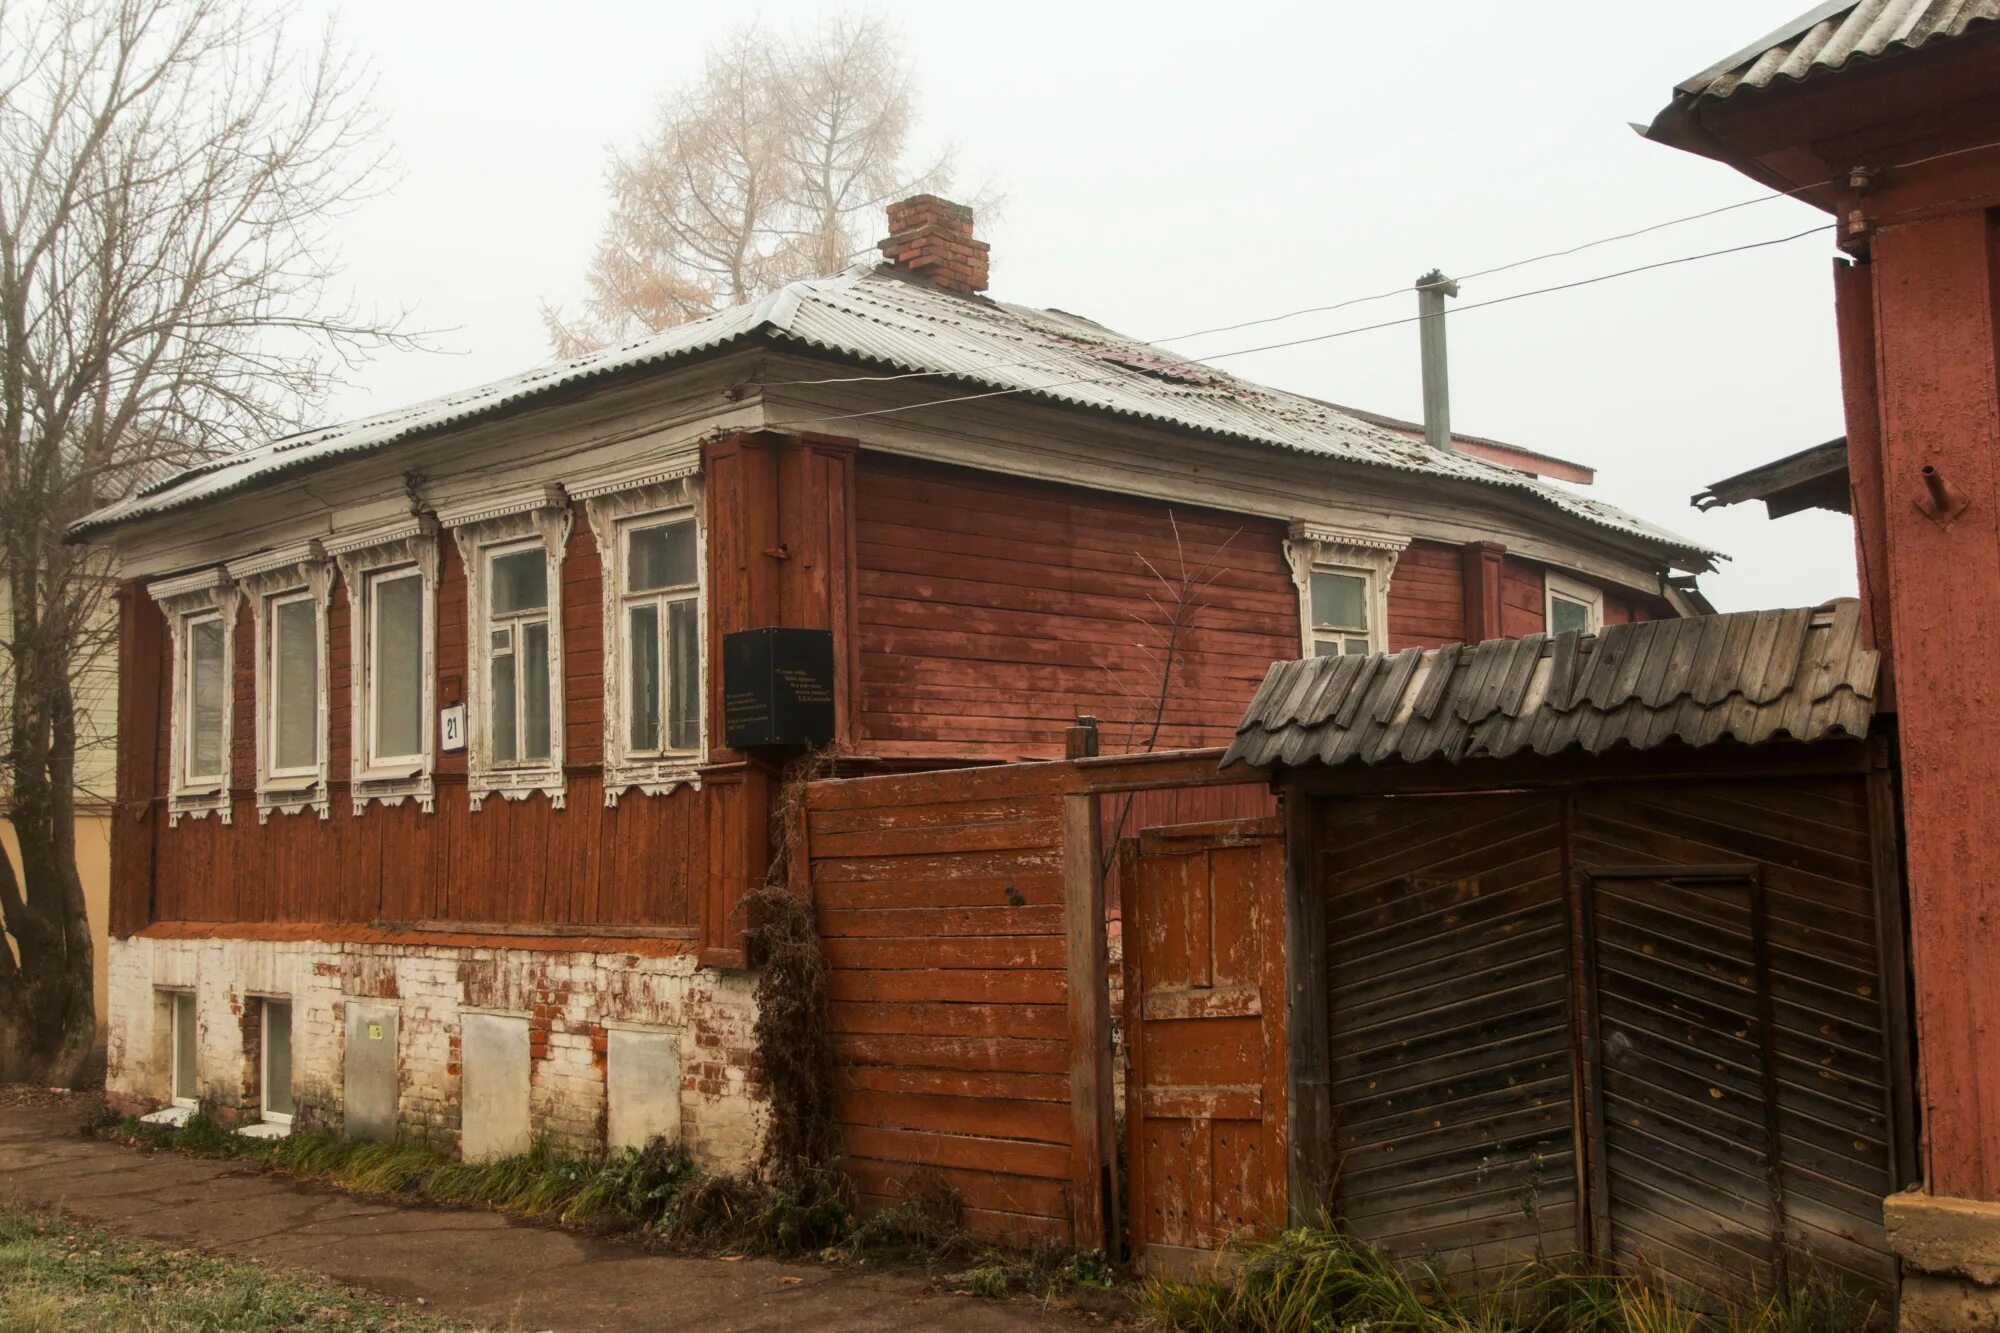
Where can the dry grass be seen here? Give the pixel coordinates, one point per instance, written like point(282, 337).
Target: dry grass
point(1315, 1279)
point(59, 1276)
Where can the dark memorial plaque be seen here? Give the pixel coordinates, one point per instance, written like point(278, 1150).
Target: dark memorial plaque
point(777, 688)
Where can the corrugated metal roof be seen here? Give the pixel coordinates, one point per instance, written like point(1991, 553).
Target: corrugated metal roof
point(877, 317)
point(1750, 676)
point(1828, 36)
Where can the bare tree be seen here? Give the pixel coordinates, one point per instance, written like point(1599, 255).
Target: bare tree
point(168, 169)
point(768, 168)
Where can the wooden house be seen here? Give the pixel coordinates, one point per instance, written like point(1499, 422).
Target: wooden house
point(426, 823)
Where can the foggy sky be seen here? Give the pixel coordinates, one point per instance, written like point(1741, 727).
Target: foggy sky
point(1170, 167)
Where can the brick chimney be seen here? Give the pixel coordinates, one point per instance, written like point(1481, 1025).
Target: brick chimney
point(931, 238)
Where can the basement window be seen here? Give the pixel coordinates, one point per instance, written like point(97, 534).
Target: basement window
point(181, 1004)
point(1572, 606)
point(275, 1077)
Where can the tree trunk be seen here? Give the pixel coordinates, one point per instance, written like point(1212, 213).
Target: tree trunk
point(48, 1015)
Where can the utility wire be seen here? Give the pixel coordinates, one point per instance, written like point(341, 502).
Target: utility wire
point(1578, 248)
point(1338, 333)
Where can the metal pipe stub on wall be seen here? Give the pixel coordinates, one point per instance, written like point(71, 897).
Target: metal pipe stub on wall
point(777, 688)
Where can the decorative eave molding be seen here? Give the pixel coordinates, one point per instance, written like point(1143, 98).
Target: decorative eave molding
point(1326, 535)
point(473, 512)
point(204, 587)
point(653, 473)
point(284, 561)
point(380, 534)
point(544, 513)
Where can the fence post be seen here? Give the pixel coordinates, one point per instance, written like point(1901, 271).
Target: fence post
point(1094, 1207)
point(1309, 1086)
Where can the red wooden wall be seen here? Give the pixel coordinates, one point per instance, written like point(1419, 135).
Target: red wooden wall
point(638, 864)
point(992, 611)
point(974, 617)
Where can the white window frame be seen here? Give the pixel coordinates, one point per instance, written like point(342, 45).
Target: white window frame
point(1315, 548)
point(174, 1097)
point(185, 601)
point(295, 573)
point(274, 604)
point(613, 514)
point(483, 530)
point(364, 555)
point(1556, 585)
point(395, 765)
point(264, 1059)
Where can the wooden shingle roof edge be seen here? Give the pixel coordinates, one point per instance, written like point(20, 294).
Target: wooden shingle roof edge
point(1804, 674)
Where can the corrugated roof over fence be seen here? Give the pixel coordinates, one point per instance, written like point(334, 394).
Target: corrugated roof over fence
point(911, 329)
point(1827, 37)
point(1750, 676)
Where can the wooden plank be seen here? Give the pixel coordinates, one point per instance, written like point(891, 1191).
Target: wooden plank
point(1091, 1136)
point(143, 672)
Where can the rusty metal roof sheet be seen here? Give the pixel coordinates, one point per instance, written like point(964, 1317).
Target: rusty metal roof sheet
point(1749, 676)
point(909, 328)
point(1828, 36)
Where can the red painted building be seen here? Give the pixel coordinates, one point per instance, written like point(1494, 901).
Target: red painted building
point(422, 778)
point(1887, 115)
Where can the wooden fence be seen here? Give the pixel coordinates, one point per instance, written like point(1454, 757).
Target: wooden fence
point(963, 919)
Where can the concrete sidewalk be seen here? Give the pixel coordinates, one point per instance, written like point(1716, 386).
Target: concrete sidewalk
point(473, 1266)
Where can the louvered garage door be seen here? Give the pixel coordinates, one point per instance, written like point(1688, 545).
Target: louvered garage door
point(1683, 982)
point(1449, 948)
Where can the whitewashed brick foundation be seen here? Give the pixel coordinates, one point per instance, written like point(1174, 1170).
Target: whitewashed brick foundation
point(567, 997)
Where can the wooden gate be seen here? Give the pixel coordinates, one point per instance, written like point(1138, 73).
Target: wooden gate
point(1205, 1042)
point(1650, 1024)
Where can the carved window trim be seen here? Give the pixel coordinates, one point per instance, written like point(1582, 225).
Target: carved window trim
point(483, 530)
point(674, 495)
point(409, 543)
point(1371, 555)
point(204, 595)
point(276, 575)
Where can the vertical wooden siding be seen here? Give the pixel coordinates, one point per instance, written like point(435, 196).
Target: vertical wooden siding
point(642, 863)
point(941, 903)
point(1427, 597)
point(993, 610)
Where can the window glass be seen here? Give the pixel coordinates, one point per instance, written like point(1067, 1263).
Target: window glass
point(684, 663)
point(643, 696)
point(661, 557)
point(535, 690)
point(295, 679)
point(184, 1036)
point(399, 665)
point(506, 742)
point(1339, 600)
point(204, 744)
point(520, 582)
point(277, 1058)
point(1566, 614)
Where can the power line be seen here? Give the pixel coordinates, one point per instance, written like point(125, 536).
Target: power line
point(1328, 337)
point(1567, 251)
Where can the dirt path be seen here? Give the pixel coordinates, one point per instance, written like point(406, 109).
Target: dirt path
point(473, 1266)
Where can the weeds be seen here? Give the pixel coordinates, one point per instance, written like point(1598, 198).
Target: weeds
point(1317, 1278)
